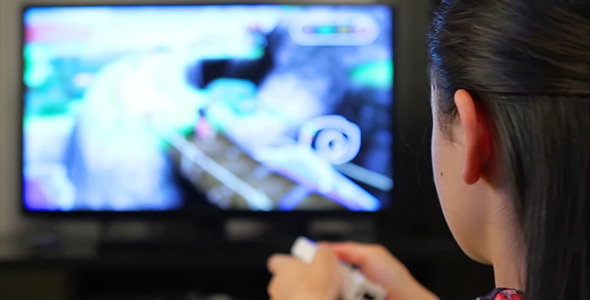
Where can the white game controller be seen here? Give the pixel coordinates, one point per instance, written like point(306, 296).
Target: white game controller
point(356, 285)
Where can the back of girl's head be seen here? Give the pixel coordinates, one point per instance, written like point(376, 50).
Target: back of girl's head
point(527, 65)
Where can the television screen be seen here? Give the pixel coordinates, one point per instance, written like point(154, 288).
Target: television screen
point(232, 107)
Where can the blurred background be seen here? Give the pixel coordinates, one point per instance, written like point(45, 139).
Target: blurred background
point(222, 254)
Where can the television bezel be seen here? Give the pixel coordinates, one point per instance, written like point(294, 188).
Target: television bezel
point(216, 214)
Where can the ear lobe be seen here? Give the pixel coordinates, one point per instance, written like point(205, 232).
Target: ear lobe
point(477, 137)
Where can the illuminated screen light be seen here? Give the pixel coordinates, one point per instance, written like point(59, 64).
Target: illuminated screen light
point(334, 29)
point(258, 107)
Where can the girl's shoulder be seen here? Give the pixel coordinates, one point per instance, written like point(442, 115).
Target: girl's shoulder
point(503, 294)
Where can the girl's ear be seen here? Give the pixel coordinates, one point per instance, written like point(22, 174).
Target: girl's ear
point(477, 137)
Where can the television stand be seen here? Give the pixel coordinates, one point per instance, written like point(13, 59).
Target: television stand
point(231, 237)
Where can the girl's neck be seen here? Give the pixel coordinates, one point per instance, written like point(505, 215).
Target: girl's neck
point(509, 267)
point(507, 251)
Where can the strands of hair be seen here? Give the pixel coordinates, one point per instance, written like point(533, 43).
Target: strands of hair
point(528, 63)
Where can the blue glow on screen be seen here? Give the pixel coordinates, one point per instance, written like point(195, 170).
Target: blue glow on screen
point(258, 107)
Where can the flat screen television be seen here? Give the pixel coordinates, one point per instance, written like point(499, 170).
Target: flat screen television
point(227, 107)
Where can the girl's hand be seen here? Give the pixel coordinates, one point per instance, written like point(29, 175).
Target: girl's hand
point(321, 280)
point(378, 265)
point(296, 280)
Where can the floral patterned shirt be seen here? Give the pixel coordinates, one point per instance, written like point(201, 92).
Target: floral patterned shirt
point(503, 294)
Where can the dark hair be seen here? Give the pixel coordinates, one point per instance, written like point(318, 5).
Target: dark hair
point(527, 65)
